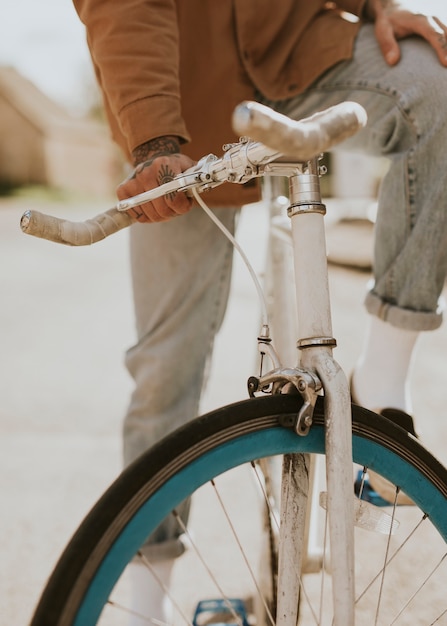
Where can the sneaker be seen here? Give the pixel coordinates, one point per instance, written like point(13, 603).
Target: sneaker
point(400, 418)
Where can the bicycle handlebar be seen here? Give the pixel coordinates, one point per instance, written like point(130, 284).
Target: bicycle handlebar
point(276, 136)
point(70, 233)
point(302, 140)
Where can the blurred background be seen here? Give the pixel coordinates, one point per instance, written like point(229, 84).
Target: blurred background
point(66, 314)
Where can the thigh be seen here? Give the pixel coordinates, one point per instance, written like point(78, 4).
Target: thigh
point(401, 101)
point(181, 276)
point(406, 123)
point(173, 265)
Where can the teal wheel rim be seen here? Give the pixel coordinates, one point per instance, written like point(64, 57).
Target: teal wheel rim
point(228, 455)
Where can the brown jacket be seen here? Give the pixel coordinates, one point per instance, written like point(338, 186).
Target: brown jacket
point(179, 67)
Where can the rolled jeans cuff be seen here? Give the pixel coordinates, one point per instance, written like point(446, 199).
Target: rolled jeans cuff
point(404, 318)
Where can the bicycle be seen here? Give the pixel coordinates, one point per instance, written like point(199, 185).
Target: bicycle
point(296, 412)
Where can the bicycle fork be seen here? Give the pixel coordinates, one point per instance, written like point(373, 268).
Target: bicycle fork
point(315, 347)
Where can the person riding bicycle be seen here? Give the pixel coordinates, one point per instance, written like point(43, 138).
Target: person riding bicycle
point(171, 74)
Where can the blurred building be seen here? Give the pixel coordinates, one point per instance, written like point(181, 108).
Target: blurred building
point(41, 143)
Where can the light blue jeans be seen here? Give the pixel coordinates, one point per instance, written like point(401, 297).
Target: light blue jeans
point(181, 269)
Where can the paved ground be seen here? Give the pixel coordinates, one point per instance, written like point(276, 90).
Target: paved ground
point(65, 321)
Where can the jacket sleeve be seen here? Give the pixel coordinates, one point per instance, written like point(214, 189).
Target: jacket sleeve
point(134, 47)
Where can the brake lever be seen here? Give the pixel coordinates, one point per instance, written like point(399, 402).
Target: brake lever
point(198, 176)
point(183, 182)
point(234, 166)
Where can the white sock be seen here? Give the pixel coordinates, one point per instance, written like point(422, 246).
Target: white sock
point(381, 375)
point(148, 597)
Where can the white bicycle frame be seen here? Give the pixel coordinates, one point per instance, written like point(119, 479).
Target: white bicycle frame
point(314, 355)
point(315, 368)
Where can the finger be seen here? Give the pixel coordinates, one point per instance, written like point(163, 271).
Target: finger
point(157, 210)
point(387, 41)
point(160, 210)
point(150, 174)
point(166, 169)
point(132, 187)
point(179, 203)
point(148, 213)
point(437, 37)
point(429, 28)
point(143, 178)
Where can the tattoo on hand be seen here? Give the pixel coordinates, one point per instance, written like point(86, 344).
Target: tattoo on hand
point(145, 155)
point(160, 146)
point(165, 175)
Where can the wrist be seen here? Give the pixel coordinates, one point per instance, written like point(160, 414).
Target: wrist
point(159, 146)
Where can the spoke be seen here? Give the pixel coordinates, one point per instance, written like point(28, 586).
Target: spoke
point(205, 565)
point(243, 553)
point(379, 600)
point(362, 484)
point(151, 620)
point(124, 609)
point(392, 557)
point(438, 618)
point(267, 498)
point(149, 566)
point(421, 586)
point(323, 568)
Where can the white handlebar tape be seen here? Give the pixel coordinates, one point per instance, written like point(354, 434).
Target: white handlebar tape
point(302, 140)
point(74, 233)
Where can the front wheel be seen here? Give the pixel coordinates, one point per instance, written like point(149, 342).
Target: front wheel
point(401, 569)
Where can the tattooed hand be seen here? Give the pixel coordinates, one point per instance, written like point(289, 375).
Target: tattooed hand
point(156, 162)
point(393, 23)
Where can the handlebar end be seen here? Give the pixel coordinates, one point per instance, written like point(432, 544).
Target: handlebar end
point(241, 117)
point(25, 221)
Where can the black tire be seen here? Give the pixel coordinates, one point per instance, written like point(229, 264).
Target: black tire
point(77, 589)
